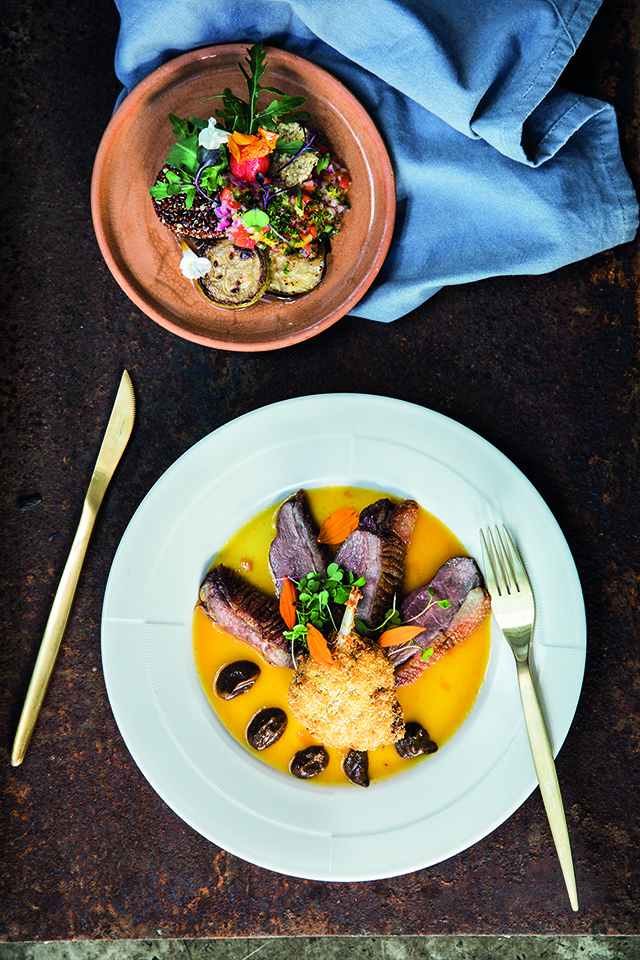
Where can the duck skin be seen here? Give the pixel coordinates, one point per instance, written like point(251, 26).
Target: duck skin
point(376, 550)
point(458, 580)
point(295, 551)
point(246, 613)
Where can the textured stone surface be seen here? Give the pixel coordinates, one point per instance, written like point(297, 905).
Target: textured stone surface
point(545, 368)
point(336, 948)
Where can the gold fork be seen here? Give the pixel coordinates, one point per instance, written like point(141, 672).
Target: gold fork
point(514, 609)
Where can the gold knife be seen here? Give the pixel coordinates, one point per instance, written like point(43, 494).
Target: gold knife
point(115, 440)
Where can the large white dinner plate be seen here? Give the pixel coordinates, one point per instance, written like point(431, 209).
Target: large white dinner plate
point(419, 818)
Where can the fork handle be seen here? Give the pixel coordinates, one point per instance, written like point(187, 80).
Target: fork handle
point(547, 776)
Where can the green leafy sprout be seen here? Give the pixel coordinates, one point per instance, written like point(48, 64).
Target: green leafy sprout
point(318, 597)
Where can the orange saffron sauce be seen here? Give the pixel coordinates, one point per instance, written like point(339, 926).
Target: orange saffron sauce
point(441, 699)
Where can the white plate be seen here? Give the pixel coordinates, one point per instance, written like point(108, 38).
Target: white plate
point(433, 811)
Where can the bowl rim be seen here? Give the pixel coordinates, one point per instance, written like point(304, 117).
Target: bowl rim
point(123, 116)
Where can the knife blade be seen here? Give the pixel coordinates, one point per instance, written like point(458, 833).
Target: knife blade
point(115, 440)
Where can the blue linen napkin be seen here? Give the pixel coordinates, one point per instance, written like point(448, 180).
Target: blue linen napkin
point(498, 169)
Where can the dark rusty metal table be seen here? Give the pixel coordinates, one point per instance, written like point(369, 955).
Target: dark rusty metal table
point(545, 368)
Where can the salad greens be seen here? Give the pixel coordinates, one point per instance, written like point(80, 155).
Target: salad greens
point(194, 168)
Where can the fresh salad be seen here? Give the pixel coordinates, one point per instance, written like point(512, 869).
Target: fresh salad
point(253, 195)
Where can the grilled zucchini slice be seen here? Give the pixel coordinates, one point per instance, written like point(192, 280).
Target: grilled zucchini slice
point(292, 276)
point(238, 277)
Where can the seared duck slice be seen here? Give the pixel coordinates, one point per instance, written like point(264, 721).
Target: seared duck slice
point(246, 613)
point(459, 581)
point(350, 703)
point(376, 550)
point(295, 550)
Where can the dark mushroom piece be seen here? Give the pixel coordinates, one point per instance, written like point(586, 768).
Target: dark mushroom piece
point(415, 742)
point(309, 762)
point(236, 678)
point(356, 767)
point(266, 728)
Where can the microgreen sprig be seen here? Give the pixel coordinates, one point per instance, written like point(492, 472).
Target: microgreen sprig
point(317, 598)
point(191, 168)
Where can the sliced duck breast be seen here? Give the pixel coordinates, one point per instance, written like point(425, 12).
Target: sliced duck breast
point(460, 582)
point(295, 550)
point(377, 550)
point(246, 613)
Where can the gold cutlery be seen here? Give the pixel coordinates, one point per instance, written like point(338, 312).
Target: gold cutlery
point(115, 440)
point(514, 609)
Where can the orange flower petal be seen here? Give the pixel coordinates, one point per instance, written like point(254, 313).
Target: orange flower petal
point(338, 526)
point(271, 136)
point(246, 146)
point(243, 138)
point(288, 599)
point(397, 635)
point(318, 646)
point(234, 149)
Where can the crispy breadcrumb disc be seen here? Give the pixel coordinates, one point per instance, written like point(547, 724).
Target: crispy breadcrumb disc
point(351, 704)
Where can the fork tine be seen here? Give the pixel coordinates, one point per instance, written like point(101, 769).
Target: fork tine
point(519, 569)
point(504, 558)
point(490, 572)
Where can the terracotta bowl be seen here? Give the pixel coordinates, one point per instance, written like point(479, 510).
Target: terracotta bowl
point(144, 256)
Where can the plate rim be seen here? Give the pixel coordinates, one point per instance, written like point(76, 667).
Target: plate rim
point(371, 871)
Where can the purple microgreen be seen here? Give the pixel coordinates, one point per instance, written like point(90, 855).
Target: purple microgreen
point(306, 146)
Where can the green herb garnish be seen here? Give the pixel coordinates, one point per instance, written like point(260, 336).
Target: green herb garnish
point(244, 116)
point(317, 596)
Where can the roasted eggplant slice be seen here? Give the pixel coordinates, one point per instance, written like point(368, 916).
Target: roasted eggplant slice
point(238, 277)
point(292, 276)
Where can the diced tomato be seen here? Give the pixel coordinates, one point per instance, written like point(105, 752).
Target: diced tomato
point(242, 238)
point(309, 236)
point(343, 181)
point(227, 197)
point(248, 169)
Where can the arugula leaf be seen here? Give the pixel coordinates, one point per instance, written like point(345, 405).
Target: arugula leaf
point(237, 114)
point(184, 154)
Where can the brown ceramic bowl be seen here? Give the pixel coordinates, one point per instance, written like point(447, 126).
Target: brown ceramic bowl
point(144, 256)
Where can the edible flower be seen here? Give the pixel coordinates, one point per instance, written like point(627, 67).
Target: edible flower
point(288, 598)
point(338, 526)
point(247, 146)
point(397, 635)
point(211, 138)
point(318, 647)
point(192, 265)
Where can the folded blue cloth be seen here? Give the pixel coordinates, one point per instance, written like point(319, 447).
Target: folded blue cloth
point(498, 169)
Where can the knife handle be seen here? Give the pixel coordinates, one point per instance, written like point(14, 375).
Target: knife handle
point(54, 630)
point(547, 777)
